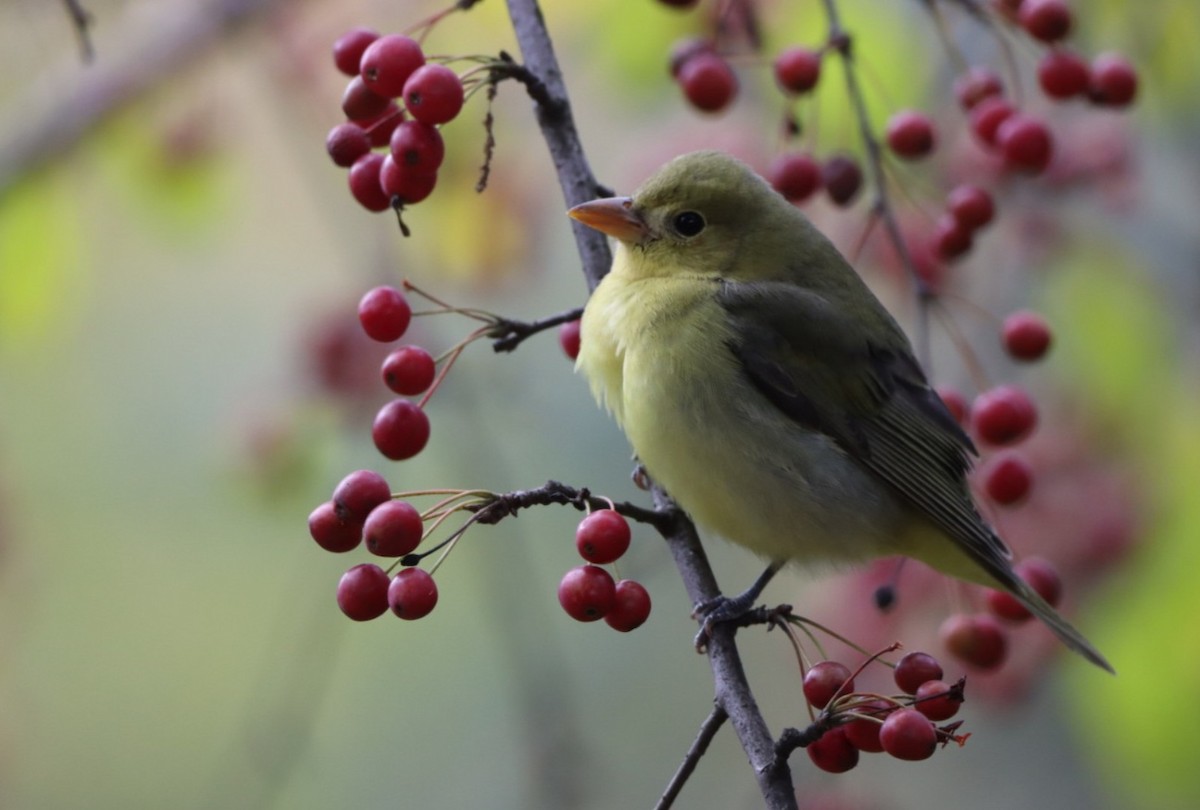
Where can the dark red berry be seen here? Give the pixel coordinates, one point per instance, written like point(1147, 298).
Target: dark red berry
point(569, 339)
point(797, 70)
point(937, 700)
point(388, 62)
point(1026, 335)
point(393, 529)
point(910, 134)
point(795, 175)
point(349, 47)
point(433, 94)
point(1003, 415)
point(1062, 74)
point(863, 733)
point(401, 430)
point(358, 493)
point(418, 146)
point(384, 314)
point(950, 239)
point(403, 183)
point(380, 128)
point(412, 594)
point(975, 85)
point(977, 640)
point(914, 669)
point(971, 206)
point(833, 752)
point(359, 102)
point(631, 606)
point(824, 680)
point(1113, 80)
point(603, 536)
point(1041, 575)
point(362, 592)
point(409, 370)
point(346, 143)
point(364, 183)
point(587, 593)
point(987, 116)
point(708, 82)
point(956, 403)
point(907, 734)
point(331, 532)
point(1025, 143)
point(842, 179)
point(1007, 477)
point(1047, 20)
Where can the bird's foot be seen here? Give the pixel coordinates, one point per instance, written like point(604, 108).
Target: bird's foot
point(729, 608)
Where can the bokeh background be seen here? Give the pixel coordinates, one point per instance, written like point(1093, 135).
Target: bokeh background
point(181, 381)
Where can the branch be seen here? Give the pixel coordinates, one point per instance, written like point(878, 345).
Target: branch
point(81, 20)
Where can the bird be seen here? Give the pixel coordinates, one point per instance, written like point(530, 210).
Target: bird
point(766, 389)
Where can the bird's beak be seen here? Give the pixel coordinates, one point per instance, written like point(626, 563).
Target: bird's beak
point(613, 216)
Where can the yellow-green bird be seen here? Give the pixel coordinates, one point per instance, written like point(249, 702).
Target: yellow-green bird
point(763, 385)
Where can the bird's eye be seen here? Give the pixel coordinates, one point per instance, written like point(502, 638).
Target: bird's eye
point(688, 223)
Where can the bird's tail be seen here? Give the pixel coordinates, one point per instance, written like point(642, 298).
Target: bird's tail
point(1039, 607)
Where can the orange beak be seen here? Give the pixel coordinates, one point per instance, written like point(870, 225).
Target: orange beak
point(613, 216)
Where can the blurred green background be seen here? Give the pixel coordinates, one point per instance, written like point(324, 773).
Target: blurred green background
point(179, 265)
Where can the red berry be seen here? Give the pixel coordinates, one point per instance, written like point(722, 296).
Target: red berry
point(631, 606)
point(1025, 143)
point(403, 183)
point(833, 752)
point(936, 700)
point(362, 592)
point(1041, 576)
point(364, 183)
point(824, 680)
point(384, 314)
point(914, 669)
point(349, 47)
point(956, 403)
point(863, 733)
point(707, 81)
point(908, 734)
point(975, 85)
point(387, 63)
point(358, 493)
point(359, 102)
point(401, 430)
point(950, 238)
point(418, 146)
point(1007, 477)
point(433, 94)
point(798, 69)
point(977, 640)
point(409, 370)
point(987, 116)
point(795, 175)
point(603, 536)
point(331, 532)
point(1113, 80)
point(971, 206)
point(842, 179)
point(910, 134)
point(1062, 74)
point(568, 338)
point(412, 594)
point(587, 593)
point(685, 49)
point(380, 128)
point(346, 143)
point(393, 529)
point(1003, 415)
point(1047, 20)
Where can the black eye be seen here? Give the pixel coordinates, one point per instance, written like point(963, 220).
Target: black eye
point(688, 223)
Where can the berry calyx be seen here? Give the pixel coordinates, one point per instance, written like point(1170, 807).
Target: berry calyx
point(833, 752)
point(409, 370)
point(569, 338)
point(1040, 575)
point(977, 640)
point(708, 82)
point(1007, 478)
point(358, 494)
point(797, 70)
point(824, 680)
point(1113, 80)
point(412, 594)
point(630, 608)
point(400, 430)
point(587, 593)
point(362, 592)
point(348, 49)
point(393, 529)
point(907, 734)
point(842, 179)
point(433, 94)
point(1003, 415)
point(384, 312)
point(331, 532)
point(603, 536)
point(910, 134)
point(914, 669)
point(387, 63)
point(937, 700)
point(795, 175)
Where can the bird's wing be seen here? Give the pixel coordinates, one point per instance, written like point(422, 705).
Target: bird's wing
point(811, 362)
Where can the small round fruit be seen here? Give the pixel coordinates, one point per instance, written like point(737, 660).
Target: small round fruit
point(950, 238)
point(797, 70)
point(364, 183)
point(1042, 576)
point(346, 143)
point(358, 493)
point(955, 402)
point(393, 529)
point(824, 680)
point(833, 752)
point(977, 640)
point(587, 593)
point(412, 594)
point(387, 63)
point(907, 734)
point(1047, 20)
point(708, 82)
point(842, 179)
point(914, 669)
point(987, 116)
point(362, 592)
point(1113, 80)
point(971, 206)
point(348, 49)
point(409, 370)
point(631, 606)
point(400, 430)
point(1025, 143)
point(404, 184)
point(1003, 415)
point(910, 134)
point(1007, 477)
point(433, 94)
point(384, 313)
point(603, 536)
point(331, 532)
point(1062, 74)
point(937, 700)
point(975, 85)
point(795, 175)
point(863, 732)
point(418, 146)
point(360, 102)
point(569, 338)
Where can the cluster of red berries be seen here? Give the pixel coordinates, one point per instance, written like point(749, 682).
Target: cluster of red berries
point(382, 70)
point(589, 593)
point(362, 508)
point(903, 726)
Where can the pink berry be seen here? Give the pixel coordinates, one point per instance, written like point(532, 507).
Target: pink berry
point(587, 593)
point(362, 592)
point(364, 183)
point(603, 536)
point(977, 640)
point(842, 179)
point(936, 700)
point(914, 669)
point(346, 143)
point(631, 606)
point(907, 734)
point(360, 102)
point(975, 85)
point(401, 430)
point(1113, 80)
point(433, 94)
point(797, 70)
point(971, 206)
point(403, 183)
point(569, 338)
point(1003, 415)
point(393, 529)
point(412, 594)
point(708, 82)
point(1007, 477)
point(387, 63)
point(910, 134)
point(833, 752)
point(418, 146)
point(795, 175)
point(1062, 74)
point(349, 47)
point(331, 532)
point(1026, 335)
point(1025, 143)
point(824, 680)
point(1041, 575)
point(409, 370)
point(987, 116)
point(950, 239)
point(358, 493)
point(1047, 20)
point(384, 314)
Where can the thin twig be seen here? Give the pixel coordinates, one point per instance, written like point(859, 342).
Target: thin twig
point(708, 730)
point(82, 21)
point(509, 334)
